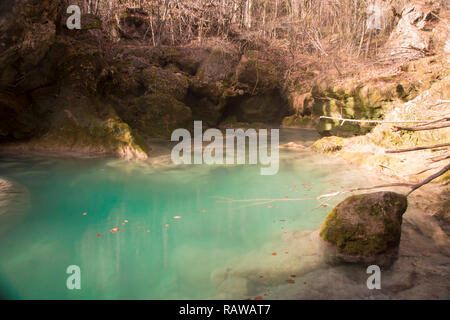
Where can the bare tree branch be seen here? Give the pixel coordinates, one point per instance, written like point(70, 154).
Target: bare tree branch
point(422, 128)
point(441, 145)
point(429, 179)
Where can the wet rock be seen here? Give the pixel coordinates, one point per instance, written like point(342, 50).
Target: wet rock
point(14, 202)
point(364, 226)
point(328, 144)
point(293, 146)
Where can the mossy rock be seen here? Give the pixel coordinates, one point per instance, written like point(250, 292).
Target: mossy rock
point(109, 136)
point(298, 121)
point(353, 100)
point(232, 123)
point(217, 67)
point(156, 115)
point(258, 75)
point(365, 225)
point(328, 144)
point(90, 22)
point(158, 80)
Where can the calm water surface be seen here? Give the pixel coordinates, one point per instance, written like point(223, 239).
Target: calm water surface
point(177, 232)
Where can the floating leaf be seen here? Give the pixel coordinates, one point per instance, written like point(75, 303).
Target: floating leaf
point(290, 281)
point(274, 253)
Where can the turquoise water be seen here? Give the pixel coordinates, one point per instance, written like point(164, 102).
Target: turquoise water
point(177, 232)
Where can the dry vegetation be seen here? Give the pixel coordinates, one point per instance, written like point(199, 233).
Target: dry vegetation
point(305, 26)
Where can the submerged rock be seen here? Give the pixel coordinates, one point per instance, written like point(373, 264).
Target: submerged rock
point(365, 225)
point(14, 202)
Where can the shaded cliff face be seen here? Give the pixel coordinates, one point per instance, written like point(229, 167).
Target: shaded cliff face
point(49, 85)
point(76, 90)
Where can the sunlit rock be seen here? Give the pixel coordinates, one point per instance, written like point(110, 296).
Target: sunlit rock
point(365, 225)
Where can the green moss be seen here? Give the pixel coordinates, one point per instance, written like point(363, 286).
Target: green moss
point(256, 73)
point(298, 121)
point(365, 225)
point(157, 80)
point(232, 123)
point(91, 22)
point(156, 115)
point(328, 144)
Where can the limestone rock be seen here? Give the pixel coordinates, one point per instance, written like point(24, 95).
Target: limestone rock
point(365, 225)
point(410, 39)
point(156, 115)
point(256, 74)
point(218, 66)
point(328, 144)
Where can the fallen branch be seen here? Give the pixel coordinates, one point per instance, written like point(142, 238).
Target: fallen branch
point(441, 145)
point(399, 184)
point(429, 179)
point(373, 121)
point(439, 158)
point(422, 128)
point(422, 171)
point(255, 202)
point(446, 118)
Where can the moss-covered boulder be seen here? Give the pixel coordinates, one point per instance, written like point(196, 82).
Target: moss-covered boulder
point(95, 136)
point(328, 144)
point(158, 80)
point(218, 66)
point(256, 74)
point(156, 115)
point(365, 225)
